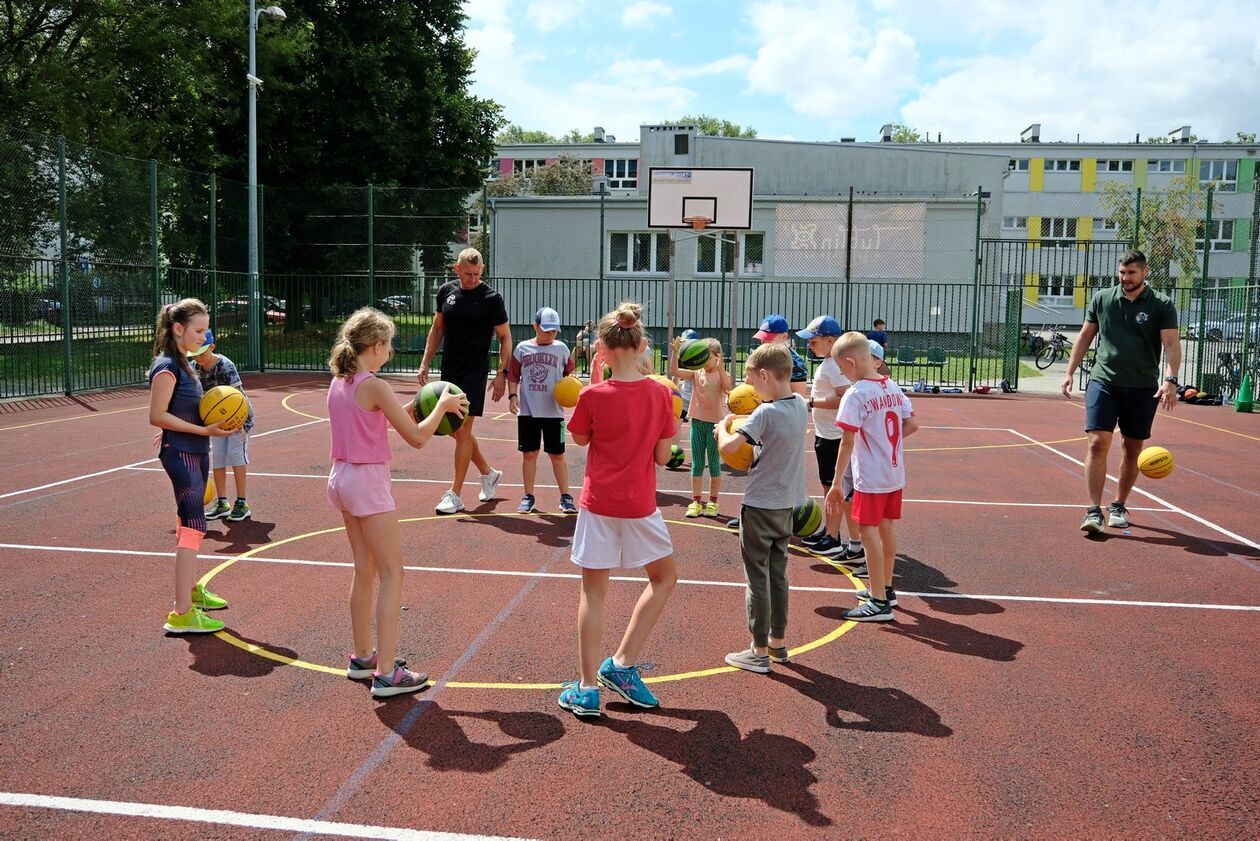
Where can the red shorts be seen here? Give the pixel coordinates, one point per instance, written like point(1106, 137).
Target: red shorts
point(872, 509)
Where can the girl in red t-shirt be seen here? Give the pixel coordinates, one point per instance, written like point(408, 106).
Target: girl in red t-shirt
point(628, 421)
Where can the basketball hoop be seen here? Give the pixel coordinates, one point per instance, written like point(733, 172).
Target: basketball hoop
point(697, 222)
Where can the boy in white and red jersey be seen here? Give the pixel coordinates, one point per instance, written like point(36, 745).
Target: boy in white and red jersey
point(876, 416)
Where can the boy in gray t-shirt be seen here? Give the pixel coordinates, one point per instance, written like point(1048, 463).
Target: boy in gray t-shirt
point(536, 366)
point(776, 485)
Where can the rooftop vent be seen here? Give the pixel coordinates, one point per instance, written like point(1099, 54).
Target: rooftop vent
point(599, 134)
point(1179, 135)
point(885, 133)
point(1032, 134)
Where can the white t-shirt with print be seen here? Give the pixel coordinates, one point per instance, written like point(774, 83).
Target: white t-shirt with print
point(875, 410)
point(828, 379)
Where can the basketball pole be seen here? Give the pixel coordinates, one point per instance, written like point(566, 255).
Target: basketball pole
point(735, 304)
point(669, 338)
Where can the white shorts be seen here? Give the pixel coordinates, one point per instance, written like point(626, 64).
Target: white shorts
point(232, 451)
point(601, 542)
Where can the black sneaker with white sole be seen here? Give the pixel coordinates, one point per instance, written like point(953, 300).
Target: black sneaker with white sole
point(828, 546)
point(1093, 522)
point(858, 570)
point(889, 594)
point(1117, 516)
point(852, 554)
point(871, 611)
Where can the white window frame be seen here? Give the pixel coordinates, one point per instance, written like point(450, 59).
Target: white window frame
point(1218, 174)
point(1015, 223)
point(1067, 231)
point(1018, 165)
point(1167, 166)
point(724, 240)
point(617, 171)
point(1114, 165)
point(1063, 165)
point(658, 252)
point(1106, 224)
point(1222, 236)
point(1065, 284)
point(527, 166)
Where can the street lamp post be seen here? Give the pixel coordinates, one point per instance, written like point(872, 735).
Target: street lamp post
point(255, 318)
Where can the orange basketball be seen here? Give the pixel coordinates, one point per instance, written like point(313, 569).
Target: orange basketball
point(742, 458)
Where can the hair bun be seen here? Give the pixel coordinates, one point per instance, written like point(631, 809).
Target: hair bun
point(626, 320)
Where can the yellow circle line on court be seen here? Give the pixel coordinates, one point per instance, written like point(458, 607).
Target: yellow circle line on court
point(251, 648)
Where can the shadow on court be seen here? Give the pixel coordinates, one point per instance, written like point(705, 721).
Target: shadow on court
point(555, 530)
point(1208, 547)
point(872, 709)
point(439, 733)
point(759, 766)
point(215, 658)
point(239, 537)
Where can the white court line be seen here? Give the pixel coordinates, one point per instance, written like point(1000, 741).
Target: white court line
point(225, 817)
point(1175, 508)
point(682, 491)
point(694, 581)
point(135, 465)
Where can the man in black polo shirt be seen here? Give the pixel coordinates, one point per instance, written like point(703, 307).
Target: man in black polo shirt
point(1133, 323)
point(468, 313)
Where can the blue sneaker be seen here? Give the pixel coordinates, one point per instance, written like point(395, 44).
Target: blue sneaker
point(627, 683)
point(584, 703)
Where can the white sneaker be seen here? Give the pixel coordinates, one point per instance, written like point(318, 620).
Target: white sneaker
point(450, 503)
point(488, 484)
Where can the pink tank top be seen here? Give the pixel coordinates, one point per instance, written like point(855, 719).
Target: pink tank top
point(358, 436)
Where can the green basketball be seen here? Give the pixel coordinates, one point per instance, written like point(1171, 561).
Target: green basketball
point(693, 355)
point(807, 518)
point(427, 400)
point(607, 373)
point(676, 457)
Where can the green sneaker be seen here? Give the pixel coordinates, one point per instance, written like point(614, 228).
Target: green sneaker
point(204, 599)
point(219, 508)
point(240, 511)
point(192, 622)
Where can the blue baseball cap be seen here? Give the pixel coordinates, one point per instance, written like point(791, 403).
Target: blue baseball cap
point(205, 347)
point(690, 334)
point(823, 325)
point(771, 326)
point(547, 319)
point(877, 350)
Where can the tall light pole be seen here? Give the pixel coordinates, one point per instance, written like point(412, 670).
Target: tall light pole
point(255, 321)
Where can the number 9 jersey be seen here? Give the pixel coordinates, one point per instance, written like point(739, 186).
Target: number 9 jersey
point(874, 410)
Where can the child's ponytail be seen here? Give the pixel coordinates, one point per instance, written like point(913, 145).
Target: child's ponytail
point(622, 328)
point(365, 328)
point(165, 340)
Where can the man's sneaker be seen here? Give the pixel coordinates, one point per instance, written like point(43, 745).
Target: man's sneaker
point(204, 599)
point(240, 511)
point(361, 669)
point(488, 483)
point(871, 611)
point(889, 593)
point(777, 655)
point(828, 546)
point(851, 554)
point(398, 682)
point(627, 683)
point(857, 570)
point(750, 661)
point(1093, 522)
point(695, 509)
point(584, 703)
point(527, 505)
point(733, 524)
point(450, 503)
point(218, 508)
point(192, 622)
point(710, 509)
point(1117, 515)
point(567, 505)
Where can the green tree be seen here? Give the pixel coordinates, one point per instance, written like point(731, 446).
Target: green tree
point(566, 176)
point(512, 134)
point(1242, 137)
point(716, 127)
point(1171, 220)
point(902, 133)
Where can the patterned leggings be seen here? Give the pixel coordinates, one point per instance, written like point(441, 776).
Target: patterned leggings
point(704, 449)
point(187, 472)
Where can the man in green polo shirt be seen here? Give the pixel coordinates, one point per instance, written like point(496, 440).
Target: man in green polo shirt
point(1133, 324)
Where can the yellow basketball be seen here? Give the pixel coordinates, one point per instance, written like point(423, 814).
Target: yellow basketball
point(227, 404)
point(673, 388)
point(211, 493)
point(566, 391)
point(743, 399)
point(742, 458)
point(1155, 462)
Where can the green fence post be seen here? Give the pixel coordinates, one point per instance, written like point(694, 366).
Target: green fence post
point(1207, 250)
point(371, 244)
point(1137, 217)
point(848, 266)
point(214, 252)
point(262, 316)
point(67, 378)
point(975, 296)
point(153, 237)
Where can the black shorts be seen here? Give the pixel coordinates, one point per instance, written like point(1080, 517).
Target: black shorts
point(473, 384)
point(531, 431)
point(826, 450)
point(1133, 408)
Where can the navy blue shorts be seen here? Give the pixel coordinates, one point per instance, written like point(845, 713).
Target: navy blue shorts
point(1133, 408)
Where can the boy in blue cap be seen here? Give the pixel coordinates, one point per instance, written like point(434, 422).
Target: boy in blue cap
point(774, 329)
point(824, 400)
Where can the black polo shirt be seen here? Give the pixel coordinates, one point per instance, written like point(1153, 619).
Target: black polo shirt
point(469, 317)
point(1129, 346)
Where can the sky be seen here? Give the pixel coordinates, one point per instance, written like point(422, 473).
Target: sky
point(817, 70)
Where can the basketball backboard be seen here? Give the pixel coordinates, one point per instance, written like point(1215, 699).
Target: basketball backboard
point(720, 195)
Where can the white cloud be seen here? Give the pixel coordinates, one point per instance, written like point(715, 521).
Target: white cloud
point(550, 15)
point(643, 13)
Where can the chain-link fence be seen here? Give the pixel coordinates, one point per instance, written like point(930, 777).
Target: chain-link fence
point(91, 244)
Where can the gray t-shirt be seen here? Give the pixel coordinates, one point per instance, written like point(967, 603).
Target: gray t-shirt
point(777, 476)
point(538, 368)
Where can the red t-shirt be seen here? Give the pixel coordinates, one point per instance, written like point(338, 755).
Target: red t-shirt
point(624, 420)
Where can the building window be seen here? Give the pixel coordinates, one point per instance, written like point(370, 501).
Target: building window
point(1056, 289)
point(1063, 166)
point(1222, 235)
point(1107, 225)
point(1014, 223)
point(526, 166)
point(707, 252)
point(1018, 165)
point(638, 252)
point(622, 173)
point(494, 169)
point(1166, 166)
point(1215, 289)
point(1115, 166)
point(1058, 230)
point(1225, 173)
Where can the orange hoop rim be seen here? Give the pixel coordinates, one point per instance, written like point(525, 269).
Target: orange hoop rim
point(697, 223)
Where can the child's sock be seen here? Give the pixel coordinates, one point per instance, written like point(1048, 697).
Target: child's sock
point(712, 498)
point(223, 499)
point(855, 544)
point(619, 664)
point(696, 498)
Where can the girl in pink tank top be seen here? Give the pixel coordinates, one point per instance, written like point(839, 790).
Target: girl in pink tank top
point(360, 404)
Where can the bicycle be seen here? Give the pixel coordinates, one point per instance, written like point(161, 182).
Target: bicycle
point(1055, 350)
point(1231, 370)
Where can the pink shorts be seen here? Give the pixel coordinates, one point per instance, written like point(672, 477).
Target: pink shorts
point(872, 509)
point(360, 490)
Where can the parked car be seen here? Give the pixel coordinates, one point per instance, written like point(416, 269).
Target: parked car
point(395, 303)
point(236, 312)
point(1213, 329)
point(1234, 325)
point(47, 309)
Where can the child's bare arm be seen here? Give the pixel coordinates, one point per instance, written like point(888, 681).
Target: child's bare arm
point(908, 427)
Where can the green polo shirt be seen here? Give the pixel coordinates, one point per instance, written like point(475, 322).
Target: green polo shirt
point(1129, 347)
